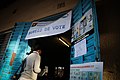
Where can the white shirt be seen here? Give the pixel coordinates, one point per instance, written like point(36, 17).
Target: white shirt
point(32, 66)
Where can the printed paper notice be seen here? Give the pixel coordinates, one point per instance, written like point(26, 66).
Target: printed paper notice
point(86, 71)
point(80, 48)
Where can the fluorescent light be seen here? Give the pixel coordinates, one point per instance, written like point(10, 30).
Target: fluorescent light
point(63, 42)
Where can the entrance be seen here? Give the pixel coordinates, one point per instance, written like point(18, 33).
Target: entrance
point(55, 56)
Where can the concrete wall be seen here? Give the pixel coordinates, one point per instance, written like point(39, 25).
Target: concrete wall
point(109, 23)
point(29, 10)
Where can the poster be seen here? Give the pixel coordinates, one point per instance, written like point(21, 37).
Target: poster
point(80, 48)
point(86, 71)
point(84, 25)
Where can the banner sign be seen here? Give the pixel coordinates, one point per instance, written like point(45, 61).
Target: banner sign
point(86, 71)
point(48, 29)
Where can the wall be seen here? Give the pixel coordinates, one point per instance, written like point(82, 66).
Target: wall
point(29, 10)
point(108, 19)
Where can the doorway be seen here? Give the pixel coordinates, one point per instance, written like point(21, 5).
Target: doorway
point(55, 56)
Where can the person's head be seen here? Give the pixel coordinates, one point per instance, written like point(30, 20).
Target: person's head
point(37, 48)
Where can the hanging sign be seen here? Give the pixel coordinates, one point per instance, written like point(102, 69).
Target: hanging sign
point(86, 71)
point(48, 29)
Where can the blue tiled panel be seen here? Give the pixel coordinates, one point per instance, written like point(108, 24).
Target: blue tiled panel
point(87, 8)
point(92, 41)
point(17, 39)
point(77, 12)
point(77, 60)
point(89, 58)
point(85, 3)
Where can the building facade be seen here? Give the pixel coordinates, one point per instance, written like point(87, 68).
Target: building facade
point(29, 11)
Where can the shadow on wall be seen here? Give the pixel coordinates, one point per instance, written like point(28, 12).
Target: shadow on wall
point(108, 20)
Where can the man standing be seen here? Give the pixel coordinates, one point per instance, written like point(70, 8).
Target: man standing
point(32, 67)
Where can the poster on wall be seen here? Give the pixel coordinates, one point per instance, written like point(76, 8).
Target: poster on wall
point(84, 25)
point(56, 27)
point(80, 48)
point(86, 71)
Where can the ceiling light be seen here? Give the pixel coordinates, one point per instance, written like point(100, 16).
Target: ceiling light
point(60, 39)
